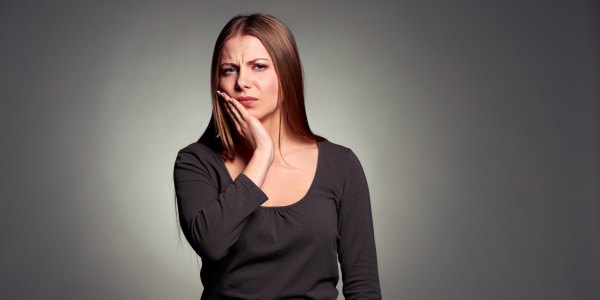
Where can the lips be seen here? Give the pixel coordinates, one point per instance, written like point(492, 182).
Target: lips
point(246, 101)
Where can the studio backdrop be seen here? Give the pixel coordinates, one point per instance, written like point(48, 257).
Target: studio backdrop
point(476, 122)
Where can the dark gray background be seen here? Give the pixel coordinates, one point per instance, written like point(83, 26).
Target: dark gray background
point(477, 123)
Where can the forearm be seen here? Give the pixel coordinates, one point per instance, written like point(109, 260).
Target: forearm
point(218, 225)
point(211, 219)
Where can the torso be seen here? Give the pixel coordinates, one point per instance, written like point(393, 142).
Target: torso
point(287, 181)
point(301, 243)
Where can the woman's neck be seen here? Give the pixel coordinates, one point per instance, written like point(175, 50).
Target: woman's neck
point(283, 139)
point(280, 133)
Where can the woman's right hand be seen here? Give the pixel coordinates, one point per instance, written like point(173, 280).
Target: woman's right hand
point(248, 127)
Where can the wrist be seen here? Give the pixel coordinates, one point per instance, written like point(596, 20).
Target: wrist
point(264, 152)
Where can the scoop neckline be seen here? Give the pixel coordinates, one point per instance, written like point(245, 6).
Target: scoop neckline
point(308, 192)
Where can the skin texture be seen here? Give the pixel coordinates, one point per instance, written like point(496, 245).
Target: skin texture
point(247, 71)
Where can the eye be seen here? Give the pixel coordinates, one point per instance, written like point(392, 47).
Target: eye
point(227, 71)
point(260, 67)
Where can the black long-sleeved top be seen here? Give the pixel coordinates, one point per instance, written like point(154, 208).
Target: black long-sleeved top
point(250, 251)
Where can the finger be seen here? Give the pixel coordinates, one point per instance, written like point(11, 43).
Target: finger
point(240, 108)
point(224, 95)
point(227, 107)
point(235, 112)
point(231, 100)
point(232, 116)
point(242, 112)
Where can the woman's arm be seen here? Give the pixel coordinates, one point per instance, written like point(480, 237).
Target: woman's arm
point(210, 221)
point(356, 248)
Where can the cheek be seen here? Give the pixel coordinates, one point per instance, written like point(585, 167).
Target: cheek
point(226, 83)
point(273, 85)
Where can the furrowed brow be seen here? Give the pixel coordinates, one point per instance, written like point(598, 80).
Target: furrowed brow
point(257, 59)
point(249, 62)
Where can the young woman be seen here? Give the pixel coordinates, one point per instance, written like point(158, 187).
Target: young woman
point(269, 206)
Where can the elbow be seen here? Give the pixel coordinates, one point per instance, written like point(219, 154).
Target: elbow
point(211, 252)
point(207, 245)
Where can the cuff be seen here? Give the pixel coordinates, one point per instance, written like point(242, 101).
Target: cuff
point(252, 188)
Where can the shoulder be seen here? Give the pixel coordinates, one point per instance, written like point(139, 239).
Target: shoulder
point(198, 149)
point(343, 171)
point(196, 154)
point(340, 154)
point(340, 161)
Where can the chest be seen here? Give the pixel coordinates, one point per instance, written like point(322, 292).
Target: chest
point(310, 223)
point(286, 186)
point(285, 183)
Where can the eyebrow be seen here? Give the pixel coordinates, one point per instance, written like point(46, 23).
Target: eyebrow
point(249, 62)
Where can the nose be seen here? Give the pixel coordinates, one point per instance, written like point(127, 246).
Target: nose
point(243, 80)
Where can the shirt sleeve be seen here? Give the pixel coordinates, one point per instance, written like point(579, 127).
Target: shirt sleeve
point(211, 221)
point(356, 248)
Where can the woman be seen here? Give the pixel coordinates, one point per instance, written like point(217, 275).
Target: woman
point(269, 206)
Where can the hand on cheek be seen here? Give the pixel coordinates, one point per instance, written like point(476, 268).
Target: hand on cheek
point(248, 127)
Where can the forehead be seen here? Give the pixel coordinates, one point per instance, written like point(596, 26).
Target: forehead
point(245, 47)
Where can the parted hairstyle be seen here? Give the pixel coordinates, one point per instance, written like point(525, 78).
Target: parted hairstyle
point(281, 46)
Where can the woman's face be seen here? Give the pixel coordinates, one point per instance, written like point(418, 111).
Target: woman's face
point(247, 70)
